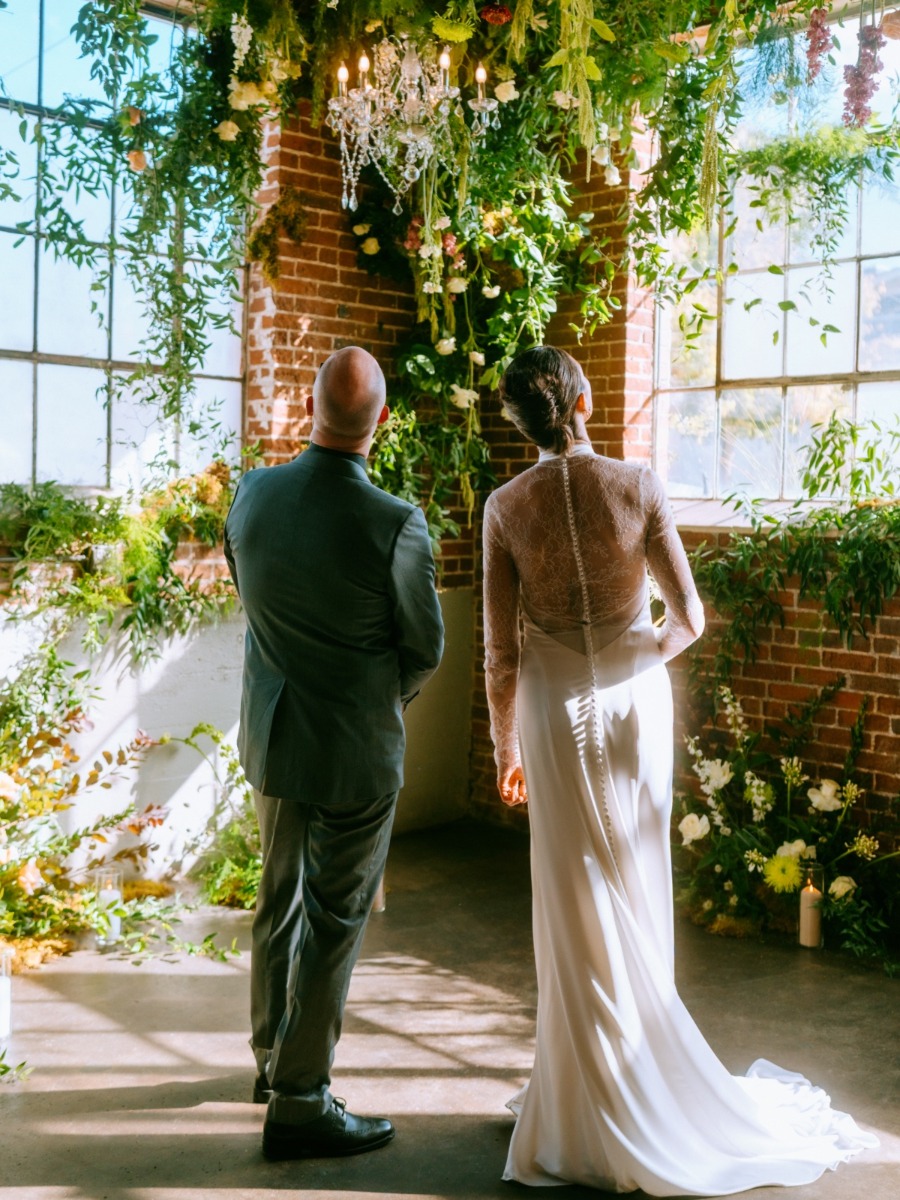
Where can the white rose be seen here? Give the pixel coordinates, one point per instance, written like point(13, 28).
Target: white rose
point(445, 345)
point(476, 357)
point(370, 246)
point(491, 292)
point(463, 397)
point(842, 886)
point(506, 91)
point(227, 130)
point(827, 796)
point(442, 223)
point(457, 284)
point(692, 828)
point(792, 849)
point(361, 230)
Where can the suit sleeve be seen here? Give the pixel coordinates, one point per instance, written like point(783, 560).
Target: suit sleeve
point(419, 628)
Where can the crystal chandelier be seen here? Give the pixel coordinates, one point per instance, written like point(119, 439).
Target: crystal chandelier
point(404, 117)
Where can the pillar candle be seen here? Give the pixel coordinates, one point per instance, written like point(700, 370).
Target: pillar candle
point(810, 916)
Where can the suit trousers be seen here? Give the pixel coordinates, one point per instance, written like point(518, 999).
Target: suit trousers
point(321, 868)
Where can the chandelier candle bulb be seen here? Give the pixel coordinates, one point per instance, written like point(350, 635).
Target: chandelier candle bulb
point(810, 931)
point(5, 994)
point(343, 76)
point(481, 80)
point(364, 71)
point(444, 64)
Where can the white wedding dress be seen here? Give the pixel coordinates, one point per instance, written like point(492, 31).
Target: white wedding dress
point(625, 1093)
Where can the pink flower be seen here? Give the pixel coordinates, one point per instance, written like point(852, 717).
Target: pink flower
point(413, 236)
point(449, 243)
point(137, 160)
point(819, 42)
point(496, 14)
point(860, 80)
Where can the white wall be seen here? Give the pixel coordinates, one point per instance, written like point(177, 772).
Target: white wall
point(198, 678)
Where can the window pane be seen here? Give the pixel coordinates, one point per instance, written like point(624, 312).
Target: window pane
point(129, 322)
point(756, 241)
point(220, 402)
point(85, 199)
point(65, 73)
point(16, 292)
point(19, 50)
point(688, 363)
point(71, 425)
point(749, 347)
point(880, 217)
point(806, 355)
point(141, 443)
point(66, 324)
point(750, 443)
point(686, 442)
point(879, 318)
point(803, 228)
point(16, 420)
point(812, 404)
point(13, 211)
point(169, 35)
point(878, 402)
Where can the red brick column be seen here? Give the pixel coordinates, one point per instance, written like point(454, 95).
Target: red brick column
point(321, 299)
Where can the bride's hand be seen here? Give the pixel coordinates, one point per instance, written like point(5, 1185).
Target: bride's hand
point(512, 787)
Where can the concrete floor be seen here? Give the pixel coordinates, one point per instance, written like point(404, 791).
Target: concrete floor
point(142, 1074)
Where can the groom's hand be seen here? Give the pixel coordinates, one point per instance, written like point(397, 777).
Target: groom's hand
point(511, 786)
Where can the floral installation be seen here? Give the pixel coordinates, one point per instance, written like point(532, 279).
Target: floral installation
point(46, 895)
point(819, 42)
point(757, 817)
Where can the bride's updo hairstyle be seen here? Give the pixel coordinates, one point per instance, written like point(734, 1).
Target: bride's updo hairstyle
point(539, 390)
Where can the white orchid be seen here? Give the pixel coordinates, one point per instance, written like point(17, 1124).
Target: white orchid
point(565, 100)
point(714, 773)
point(692, 828)
point(242, 96)
point(506, 91)
point(476, 357)
point(612, 176)
point(442, 223)
point(446, 345)
point(827, 796)
point(429, 287)
point(491, 292)
point(457, 284)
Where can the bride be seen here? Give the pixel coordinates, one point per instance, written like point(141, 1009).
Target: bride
point(625, 1093)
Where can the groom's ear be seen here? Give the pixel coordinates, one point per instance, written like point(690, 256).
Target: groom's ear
point(309, 405)
point(582, 405)
point(383, 415)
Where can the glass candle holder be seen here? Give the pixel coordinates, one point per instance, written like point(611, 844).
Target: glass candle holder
point(6, 959)
point(812, 893)
point(107, 883)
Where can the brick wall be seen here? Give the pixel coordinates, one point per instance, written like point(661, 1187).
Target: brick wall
point(793, 664)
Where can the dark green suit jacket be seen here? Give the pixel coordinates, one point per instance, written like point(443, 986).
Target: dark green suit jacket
point(336, 578)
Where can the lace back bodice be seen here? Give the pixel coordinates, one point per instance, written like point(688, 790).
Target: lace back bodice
point(570, 541)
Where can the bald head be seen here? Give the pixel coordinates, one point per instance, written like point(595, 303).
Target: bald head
point(348, 398)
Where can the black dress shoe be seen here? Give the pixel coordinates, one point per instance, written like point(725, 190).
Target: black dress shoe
point(262, 1091)
point(335, 1134)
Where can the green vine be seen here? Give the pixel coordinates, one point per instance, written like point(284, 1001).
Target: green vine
point(844, 554)
point(288, 217)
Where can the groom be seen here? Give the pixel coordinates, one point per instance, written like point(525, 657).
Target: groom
point(336, 579)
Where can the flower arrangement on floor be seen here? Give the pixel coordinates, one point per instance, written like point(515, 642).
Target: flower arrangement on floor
point(761, 814)
point(45, 900)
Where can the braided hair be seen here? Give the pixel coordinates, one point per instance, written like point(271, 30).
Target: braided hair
point(539, 390)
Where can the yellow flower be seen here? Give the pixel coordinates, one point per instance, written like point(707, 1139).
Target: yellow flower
point(137, 160)
point(782, 873)
point(370, 246)
point(451, 31)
